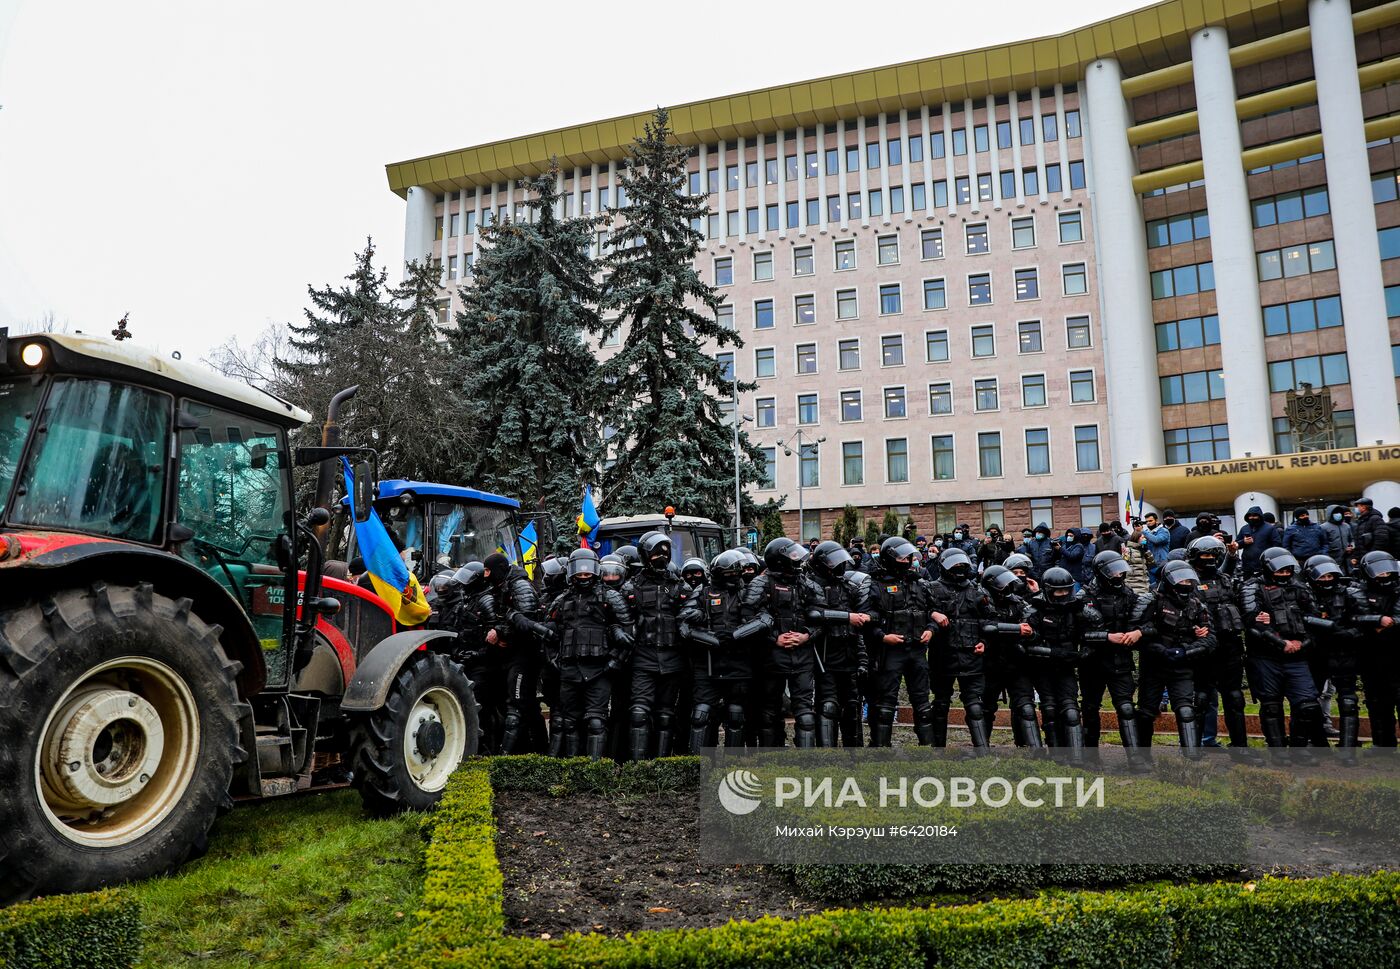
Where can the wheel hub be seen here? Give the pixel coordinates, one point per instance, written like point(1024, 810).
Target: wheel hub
point(106, 745)
point(434, 738)
point(431, 738)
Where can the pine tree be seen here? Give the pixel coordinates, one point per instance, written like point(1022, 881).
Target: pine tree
point(889, 525)
point(526, 373)
point(847, 526)
point(664, 386)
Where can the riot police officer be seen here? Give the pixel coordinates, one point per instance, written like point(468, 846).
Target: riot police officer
point(591, 624)
point(1176, 636)
point(1375, 612)
point(1336, 643)
point(960, 608)
point(1020, 565)
point(1275, 608)
point(1114, 613)
point(781, 598)
point(519, 606)
point(1223, 668)
point(842, 664)
point(554, 580)
point(723, 653)
point(693, 573)
point(658, 660)
point(898, 636)
point(1055, 650)
point(1003, 664)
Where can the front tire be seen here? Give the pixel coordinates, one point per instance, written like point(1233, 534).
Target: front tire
point(403, 753)
point(119, 712)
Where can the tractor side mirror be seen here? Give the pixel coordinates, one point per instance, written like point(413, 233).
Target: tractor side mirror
point(363, 499)
point(259, 455)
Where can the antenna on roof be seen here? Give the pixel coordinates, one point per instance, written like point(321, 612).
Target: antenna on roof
point(121, 332)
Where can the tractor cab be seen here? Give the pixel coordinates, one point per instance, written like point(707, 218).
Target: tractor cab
point(690, 537)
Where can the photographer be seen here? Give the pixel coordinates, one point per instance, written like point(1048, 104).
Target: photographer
point(994, 548)
point(1159, 542)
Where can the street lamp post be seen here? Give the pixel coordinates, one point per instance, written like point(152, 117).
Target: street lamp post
point(738, 517)
point(801, 505)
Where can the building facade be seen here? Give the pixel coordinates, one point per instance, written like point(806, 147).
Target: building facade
point(1030, 282)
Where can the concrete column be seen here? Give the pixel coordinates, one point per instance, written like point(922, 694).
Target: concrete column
point(1353, 223)
point(904, 164)
point(844, 170)
point(1063, 143)
point(742, 205)
point(1040, 146)
point(1120, 241)
point(593, 187)
point(969, 132)
point(762, 187)
point(476, 220)
point(462, 234)
point(821, 181)
point(418, 226)
point(782, 178)
point(924, 132)
point(949, 170)
point(705, 188)
point(1232, 247)
point(1015, 116)
point(993, 152)
point(578, 191)
point(1246, 501)
point(612, 185)
point(863, 172)
point(720, 166)
point(1386, 494)
point(881, 120)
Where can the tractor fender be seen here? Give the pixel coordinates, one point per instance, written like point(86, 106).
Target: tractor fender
point(369, 688)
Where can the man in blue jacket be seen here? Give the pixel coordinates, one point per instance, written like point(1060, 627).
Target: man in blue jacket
point(1077, 553)
point(1255, 538)
point(1158, 539)
point(1180, 534)
point(1304, 538)
point(1042, 551)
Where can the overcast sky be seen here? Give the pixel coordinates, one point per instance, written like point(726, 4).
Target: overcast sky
point(197, 164)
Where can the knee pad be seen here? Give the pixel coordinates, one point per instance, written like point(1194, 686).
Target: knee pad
point(806, 721)
point(597, 726)
point(1308, 710)
point(939, 708)
point(700, 715)
point(567, 724)
point(1126, 710)
point(926, 713)
point(830, 711)
point(1070, 716)
point(1233, 700)
point(1347, 705)
point(975, 710)
point(1026, 711)
point(641, 716)
point(512, 719)
point(735, 712)
point(1271, 708)
point(1185, 713)
point(885, 715)
point(664, 719)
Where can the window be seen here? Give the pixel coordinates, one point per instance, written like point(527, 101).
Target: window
point(984, 188)
point(936, 148)
point(976, 238)
point(853, 205)
point(724, 316)
point(1023, 233)
point(891, 300)
point(802, 262)
point(765, 412)
point(806, 408)
point(1208, 442)
point(850, 405)
point(940, 194)
point(1188, 334)
point(1193, 388)
point(1071, 227)
point(726, 365)
point(1027, 284)
point(1003, 134)
point(852, 158)
point(808, 465)
point(992, 515)
point(1327, 370)
point(1343, 432)
point(959, 141)
point(1086, 447)
point(845, 254)
point(897, 199)
point(989, 454)
point(1312, 257)
point(1172, 231)
point(1030, 181)
point(1081, 386)
point(769, 477)
point(751, 220)
point(979, 137)
point(1183, 280)
point(887, 250)
point(790, 166)
point(936, 346)
point(770, 218)
point(1028, 336)
point(764, 362)
point(1392, 301)
point(804, 309)
point(712, 179)
point(1049, 125)
point(853, 463)
point(1043, 509)
point(1076, 279)
point(931, 244)
point(894, 152)
point(984, 343)
point(814, 211)
point(985, 393)
point(846, 304)
point(1076, 174)
point(1290, 206)
point(731, 178)
point(1303, 316)
point(1037, 450)
point(1389, 240)
point(895, 404)
point(877, 202)
point(762, 265)
point(793, 216)
point(940, 398)
point(724, 271)
point(833, 208)
point(943, 467)
point(935, 294)
point(763, 314)
point(437, 228)
point(1078, 335)
point(1090, 511)
point(979, 289)
point(1384, 186)
point(916, 149)
point(919, 201)
point(1033, 390)
point(892, 350)
point(1072, 124)
point(770, 171)
point(1027, 127)
point(833, 163)
point(848, 354)
point(897, 460)
point(806, 358)
point(1052, 178)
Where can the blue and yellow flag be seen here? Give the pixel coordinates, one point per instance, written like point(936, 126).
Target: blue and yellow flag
point(588, 515)
point(392, 580)
point(529, 548)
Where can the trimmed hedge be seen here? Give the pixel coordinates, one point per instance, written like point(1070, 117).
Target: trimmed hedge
point(100, 930)
point(1355, 807)
point(1276, 922)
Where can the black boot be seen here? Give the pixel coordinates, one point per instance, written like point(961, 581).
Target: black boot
point(1190, 733)
point(572, 744)
point(663, 741)
point(638, 742)
point(768, 737)
point(597, 745)
point(851, 734)
point(1146, 725)
point(826, 732)
point(804, 732)
point(1271, 725)
point(1128, 731)
point(977, 730)
point(1350, 734)
point(927, 736)
point(1235, 723)
point(699, 737)
point(556, 737)
point(880, 731)
point(510, 733)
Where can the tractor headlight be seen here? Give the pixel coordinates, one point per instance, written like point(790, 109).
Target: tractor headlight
point(32, 355)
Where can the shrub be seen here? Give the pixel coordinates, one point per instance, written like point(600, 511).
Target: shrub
point(1356, 807)
point(100, 930)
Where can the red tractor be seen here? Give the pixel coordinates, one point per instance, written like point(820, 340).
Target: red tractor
point(167, 640)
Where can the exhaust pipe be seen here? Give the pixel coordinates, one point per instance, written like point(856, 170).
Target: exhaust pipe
point(325, 473)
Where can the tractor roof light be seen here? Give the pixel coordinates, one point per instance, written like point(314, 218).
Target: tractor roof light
point(32, 355)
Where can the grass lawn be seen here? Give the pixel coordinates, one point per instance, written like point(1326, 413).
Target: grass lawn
point(303, 881)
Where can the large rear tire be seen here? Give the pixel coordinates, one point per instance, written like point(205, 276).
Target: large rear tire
point(118, 710)
point(402, 754)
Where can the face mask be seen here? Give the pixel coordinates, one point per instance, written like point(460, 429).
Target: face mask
point(1169, 522)
point(957, 536)
point(1336, 516)
point(1042, 536)
point(938, 544)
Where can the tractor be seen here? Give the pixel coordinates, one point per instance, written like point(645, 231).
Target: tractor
point(690, 537)
point(168, 643)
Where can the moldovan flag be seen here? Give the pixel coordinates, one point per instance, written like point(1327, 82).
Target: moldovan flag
point(392, 580)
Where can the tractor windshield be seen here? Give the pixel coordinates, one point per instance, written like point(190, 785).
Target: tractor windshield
point(98, 461)
point(18, 399)
point(467, 532)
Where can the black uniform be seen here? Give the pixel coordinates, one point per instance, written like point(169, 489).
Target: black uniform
point(1170, 649)
point(1053, 654)
point(658, 662)
point(783, 603)
point(1378, 656)
point(1109, 666)
point(901, 608)
point(841, 659)
point(591, 624)
point(519, 606)
point(1005, 670)
point(955, 657)
point(1337, 649)
point(1222, 669)
point(723, 656)
point(1273, 673)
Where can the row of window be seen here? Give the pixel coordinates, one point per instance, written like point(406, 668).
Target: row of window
point(1290, 206)
point(943, 459)
point(1385, 186)
point(1329, 369)
point(1177, 229)
point(1183, 280)
point(1303, 316)
point(1188, 334)
point(1211, 442)
point(1291, 261)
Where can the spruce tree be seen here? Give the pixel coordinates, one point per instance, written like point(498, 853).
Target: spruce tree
point(527, 375)
point(664, 386)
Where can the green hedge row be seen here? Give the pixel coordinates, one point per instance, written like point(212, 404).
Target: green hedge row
point(1276, 922)
point(101, 930)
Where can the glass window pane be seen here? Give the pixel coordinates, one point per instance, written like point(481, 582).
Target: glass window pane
point(1334, 369)
point(1033, 390)
point(1329, 312)
point(1270, 265)
point(1308, 370)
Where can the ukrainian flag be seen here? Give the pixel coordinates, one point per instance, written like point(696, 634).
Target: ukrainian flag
point(392, 580)
point(588, 515)
point(529, 548)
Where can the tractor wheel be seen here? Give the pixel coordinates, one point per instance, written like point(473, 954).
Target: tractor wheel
point(119, 713)
point(403, 753)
